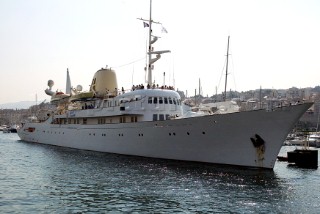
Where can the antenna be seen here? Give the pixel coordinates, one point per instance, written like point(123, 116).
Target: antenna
point(164, 78)
point(132, 73)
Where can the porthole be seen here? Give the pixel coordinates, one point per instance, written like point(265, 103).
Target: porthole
point(203, 133)
point(188, 133)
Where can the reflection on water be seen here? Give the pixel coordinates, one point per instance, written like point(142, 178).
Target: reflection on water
point(40, 178)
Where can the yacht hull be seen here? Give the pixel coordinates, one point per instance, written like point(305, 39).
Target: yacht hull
point(251, 139)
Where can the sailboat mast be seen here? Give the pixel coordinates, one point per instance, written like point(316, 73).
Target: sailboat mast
point(225, 86)
point(149, 48)
point(318, 120)
point(199, 88)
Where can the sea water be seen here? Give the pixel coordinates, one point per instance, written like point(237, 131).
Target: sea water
point(37, 178)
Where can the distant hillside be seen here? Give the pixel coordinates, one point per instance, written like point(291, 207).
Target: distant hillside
point(17, 105)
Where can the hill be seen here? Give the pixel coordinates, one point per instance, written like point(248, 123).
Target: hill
point(17, 105)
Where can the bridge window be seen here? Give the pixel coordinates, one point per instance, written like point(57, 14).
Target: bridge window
point(174, 101)
point(150, 100)
point(160, 100)
point(155, 100)
point(165, 100)
point(170, 100)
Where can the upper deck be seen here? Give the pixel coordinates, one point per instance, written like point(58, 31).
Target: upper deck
point(142, 104)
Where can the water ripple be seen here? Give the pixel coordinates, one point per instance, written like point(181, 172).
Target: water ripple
point(46, 179)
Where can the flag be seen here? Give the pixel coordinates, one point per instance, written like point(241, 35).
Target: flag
point(145, 24)
point(163, 30)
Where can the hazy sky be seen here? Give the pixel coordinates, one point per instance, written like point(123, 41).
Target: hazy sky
point(273, 44)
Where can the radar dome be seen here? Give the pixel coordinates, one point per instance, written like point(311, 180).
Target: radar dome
point(50, 83)
point(79, 88)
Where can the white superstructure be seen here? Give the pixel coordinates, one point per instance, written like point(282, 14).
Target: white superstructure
point(150, 122)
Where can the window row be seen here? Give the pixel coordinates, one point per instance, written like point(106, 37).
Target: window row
point(164, 100)
point(92, 121)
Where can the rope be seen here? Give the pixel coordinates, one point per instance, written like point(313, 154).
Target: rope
point(222, 73)
point(137, 60)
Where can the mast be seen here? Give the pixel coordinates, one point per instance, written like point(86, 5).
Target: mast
point(152, 39)
point(149, 46)
point(225, 86)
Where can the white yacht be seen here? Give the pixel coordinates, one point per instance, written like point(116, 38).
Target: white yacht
point(314, 139)
point(150, 122)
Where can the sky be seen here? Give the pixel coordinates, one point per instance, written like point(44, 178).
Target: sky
point(274, 44)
